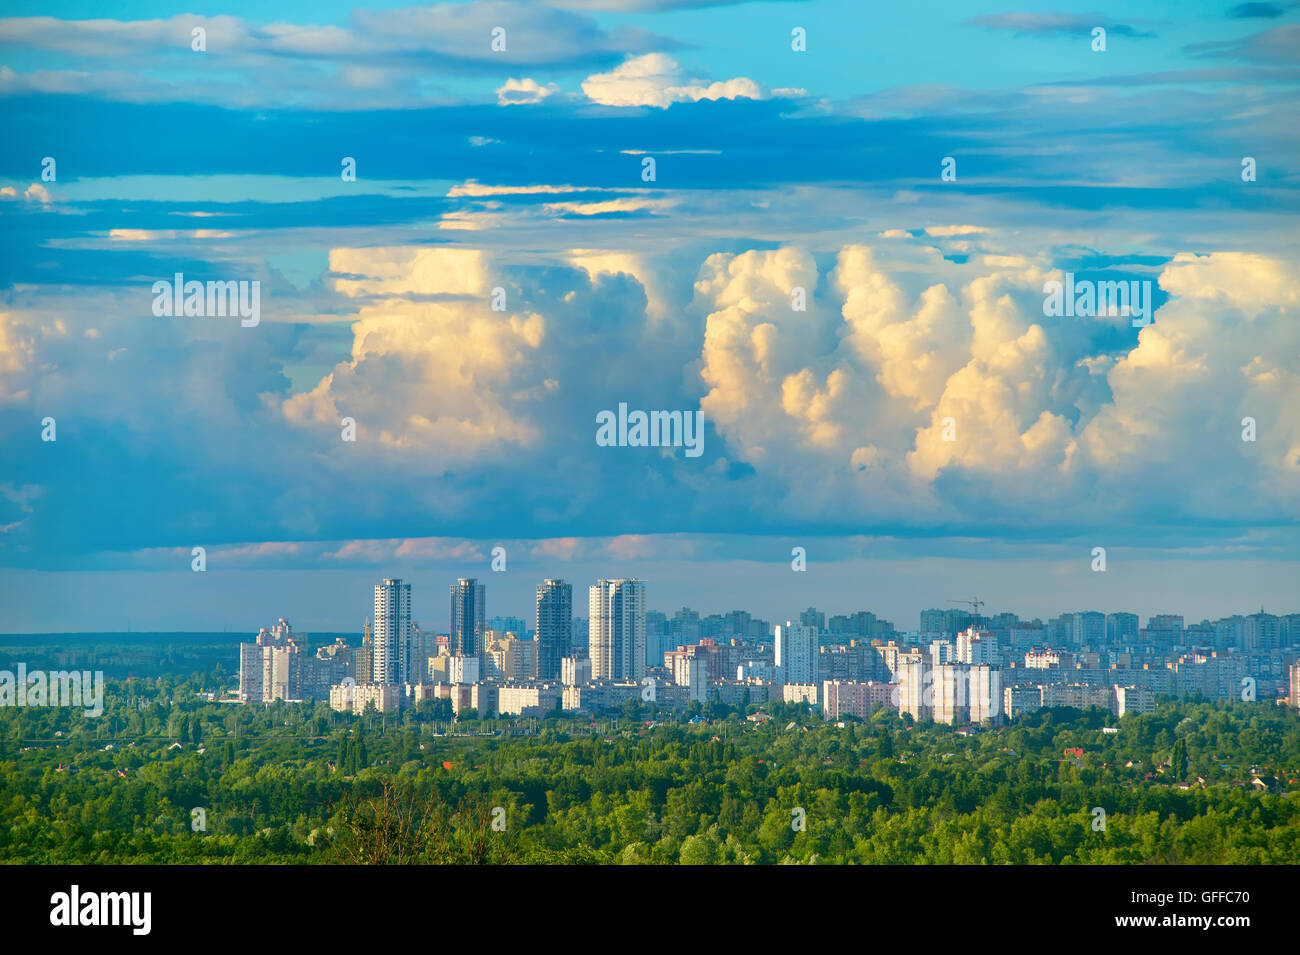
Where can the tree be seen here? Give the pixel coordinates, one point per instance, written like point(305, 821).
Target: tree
point(401, 826)
point(1178, 759)
point(885, 744)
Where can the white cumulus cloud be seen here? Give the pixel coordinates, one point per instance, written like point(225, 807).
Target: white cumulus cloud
point(656, 79)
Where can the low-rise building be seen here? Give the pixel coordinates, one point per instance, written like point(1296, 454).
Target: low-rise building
point(359, 697)
point(530, 699)
point(842, 698)
point(800, 693)
point(1134, 699)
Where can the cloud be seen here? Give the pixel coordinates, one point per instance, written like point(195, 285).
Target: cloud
point(832, 416)
point(1212, 358)
point(384, 54)
point(645, 6)
point(409, 270)
point(607, 206)
point(656, 79)
point(165, 235)
point(1267, 11)
point(1276, 45)
point(1047, 24)
point(33, 193)
point(1250, 282)
point(951, 230)
point(516, 92)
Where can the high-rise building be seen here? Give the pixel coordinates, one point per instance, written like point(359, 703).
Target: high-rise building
point(1164, 631)
point(1089, 629)
point(575, 671)
point(554, 626)
point(977, 646)
point(508, 658)
point(391, 639)
point(691, 672)
point(616, 629)
point(949, 621)
point(796, 652)
point(1295, 685)
point(1134, 699)
point(1060, 631)
point(1121, 628)
point(1017, 700)
point(950, 702)
point(915, 689)
point(462, 669)
point(468, 600)
point(271, 668)
point(812, 617)
point(941, 652)
point(1289, 630)
point(364, 669)
point(579, 645)
point(985, 694)
point(1263, 631)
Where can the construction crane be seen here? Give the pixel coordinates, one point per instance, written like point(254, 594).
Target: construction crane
point(974, 604)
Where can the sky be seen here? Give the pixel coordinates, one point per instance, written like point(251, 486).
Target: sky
point(841, 262)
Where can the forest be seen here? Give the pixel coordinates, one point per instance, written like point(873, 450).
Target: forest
point(167, 776)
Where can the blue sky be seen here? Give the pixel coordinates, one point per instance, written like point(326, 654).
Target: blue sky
point(522, 170)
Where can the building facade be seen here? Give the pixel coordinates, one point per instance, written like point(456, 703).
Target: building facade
point(554, 626)
point(796, 652)
point(468, 616)
point(616, 629)
point(391, 634)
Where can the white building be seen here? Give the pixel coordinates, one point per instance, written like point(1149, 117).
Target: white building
point(692, 673)
point(845, 698)
point(463, 669)
point(800, 693)
point(759, 670)
point(271, 668)
point(391, 641)
point(1134, 699)
point(574, 671)
point(796, 652)
point(1021, 699)
point(985, 694)
point(950, 704)
point(358, 697)
point(941, 652)
point(508, 658)
point(977, 647)
point(915, 693)
point(616, 629)
point(1078, 695)
point(531, 700)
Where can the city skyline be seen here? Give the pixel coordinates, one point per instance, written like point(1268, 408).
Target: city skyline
point(960, 666)
point(244, 600)
point(610, 598)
